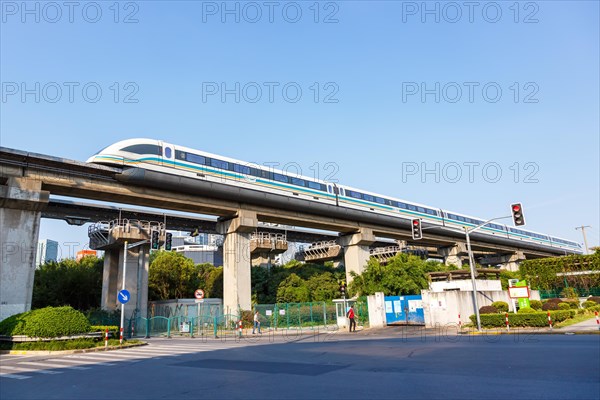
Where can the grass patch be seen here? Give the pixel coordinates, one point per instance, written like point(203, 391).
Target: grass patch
point(575, 320)
point(58, 345)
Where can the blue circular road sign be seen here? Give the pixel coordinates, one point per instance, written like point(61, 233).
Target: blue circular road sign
point(124, 296)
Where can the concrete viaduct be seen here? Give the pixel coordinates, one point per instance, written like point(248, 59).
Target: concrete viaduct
point(27, 180)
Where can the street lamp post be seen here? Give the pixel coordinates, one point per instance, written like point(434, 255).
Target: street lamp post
point(473, 282)
point(468, 232)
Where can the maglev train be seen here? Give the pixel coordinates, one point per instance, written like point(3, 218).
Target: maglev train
point(164, 165)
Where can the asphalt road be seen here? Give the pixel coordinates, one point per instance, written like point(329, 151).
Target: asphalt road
point(319, 367)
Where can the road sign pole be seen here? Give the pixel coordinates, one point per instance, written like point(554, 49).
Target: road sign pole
point(123, 288)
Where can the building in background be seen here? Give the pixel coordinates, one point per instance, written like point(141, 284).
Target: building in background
point(86, 253)
point(47, 250)
point(207, 252)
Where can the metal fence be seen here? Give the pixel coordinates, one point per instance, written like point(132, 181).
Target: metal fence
point(202, 326)
point(271, 317)
point(556, 293)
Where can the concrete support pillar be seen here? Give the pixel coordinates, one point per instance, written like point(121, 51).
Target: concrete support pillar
point(452, 254)
point(21, 202)
point(356, 254)
point(136, 279)
point(237, 260)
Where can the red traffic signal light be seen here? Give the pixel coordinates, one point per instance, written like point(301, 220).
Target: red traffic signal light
point(417, 232)
point(517, 214)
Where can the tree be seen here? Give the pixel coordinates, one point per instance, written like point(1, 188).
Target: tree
point(172, 276)
point(293, 289)
point(74, 283)
point(323, 287)
point(403, 274)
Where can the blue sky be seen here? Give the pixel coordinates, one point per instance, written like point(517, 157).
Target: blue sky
point(387, 92)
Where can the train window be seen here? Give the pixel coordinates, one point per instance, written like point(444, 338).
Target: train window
point(297, 181)
point(194, 158)
point(395, 204)
point(402, 205)
point(460, 218)
point(452, 216)
point(380, 200)
point(430, 212)
point(342, 191)
point(219, 164)
point(241, 169)
point(143, 149)
point(411, 207)
point(368, 197)
point(420, 209)
point(280, 178)
point(316, 185)
point(354, 194)
point(168, 152)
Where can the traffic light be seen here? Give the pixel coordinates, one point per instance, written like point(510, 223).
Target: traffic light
point(168, 241)
point(154, 240)
point(517, 214)
point(417, 232)
point(343, 289)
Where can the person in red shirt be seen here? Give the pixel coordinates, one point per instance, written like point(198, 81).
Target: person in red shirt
point(350, 315)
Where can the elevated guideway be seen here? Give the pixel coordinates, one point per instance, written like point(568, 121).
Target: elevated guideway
point(29, 181)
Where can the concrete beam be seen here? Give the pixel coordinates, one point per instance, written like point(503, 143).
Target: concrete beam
point(21, 202)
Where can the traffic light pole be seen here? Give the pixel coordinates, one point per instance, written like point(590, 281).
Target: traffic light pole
point(468, 232)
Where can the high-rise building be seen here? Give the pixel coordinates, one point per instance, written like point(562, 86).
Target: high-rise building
point(47, 251)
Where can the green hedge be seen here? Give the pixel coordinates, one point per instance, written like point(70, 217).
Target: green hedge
point(536, 319)
point(46, 323)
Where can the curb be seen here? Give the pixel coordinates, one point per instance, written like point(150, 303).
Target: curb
point(76, 351)
point(522, 332)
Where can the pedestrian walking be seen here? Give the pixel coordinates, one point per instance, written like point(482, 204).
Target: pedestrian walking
point(350, 316)
point(256, 324)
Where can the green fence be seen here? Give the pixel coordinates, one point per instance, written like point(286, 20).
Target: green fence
point(286, 315)
point(550, 294)
point(203, 326)
point(271, 316)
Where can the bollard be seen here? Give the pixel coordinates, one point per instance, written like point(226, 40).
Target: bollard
point(132, 331)
point(121, 337)
point(240, 328)
point(459, 323)
point(507, 324)
point(597, 320)
point(106, 339)
point(550, 320)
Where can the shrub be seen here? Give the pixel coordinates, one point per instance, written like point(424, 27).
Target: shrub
point(595, 299)
point(550, 305)
point(526, 310)
point(501, 306)
point(535, 304)
point(535, 319)
point(554, 300)
point(574, 305)
point(569, 293)
point(588, 304)
point(46, 322)
point(564, 306)
point(488, 310)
